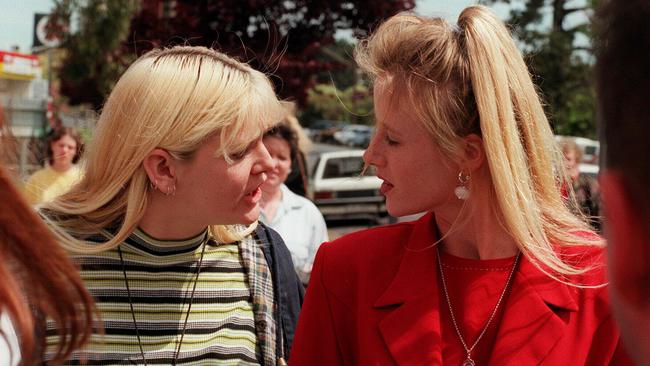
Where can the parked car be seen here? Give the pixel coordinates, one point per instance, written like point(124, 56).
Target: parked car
point(324, 130)
point(339, 190)
point(589, 170)
point(590, 148)
point(354, 135)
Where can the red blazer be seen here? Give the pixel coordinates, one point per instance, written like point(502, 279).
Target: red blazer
point(373, 300)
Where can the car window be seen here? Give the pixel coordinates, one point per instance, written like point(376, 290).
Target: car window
point(346, 167)
point(591, 150)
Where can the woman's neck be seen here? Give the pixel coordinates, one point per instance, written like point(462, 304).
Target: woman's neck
point(474, 231)
point(476, 239)
point(162, 220)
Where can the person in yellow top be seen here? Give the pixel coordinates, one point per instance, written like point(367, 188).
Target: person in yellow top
point(63, 151)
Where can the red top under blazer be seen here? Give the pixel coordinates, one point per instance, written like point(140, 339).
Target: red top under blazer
point(373, 299)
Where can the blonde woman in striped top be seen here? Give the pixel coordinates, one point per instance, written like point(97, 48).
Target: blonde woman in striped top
point(164, 222)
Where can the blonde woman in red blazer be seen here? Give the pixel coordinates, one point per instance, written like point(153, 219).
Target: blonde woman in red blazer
point(499, 272)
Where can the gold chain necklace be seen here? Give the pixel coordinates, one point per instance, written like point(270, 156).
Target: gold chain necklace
point(468, 350)
point(189, 307)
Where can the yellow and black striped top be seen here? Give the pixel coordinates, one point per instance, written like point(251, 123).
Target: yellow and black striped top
point(161, 274)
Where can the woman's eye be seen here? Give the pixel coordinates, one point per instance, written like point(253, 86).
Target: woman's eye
point(239, 155)
point(390, 141)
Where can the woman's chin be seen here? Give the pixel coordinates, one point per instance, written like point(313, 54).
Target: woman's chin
point(251, 216)
point(64, 163)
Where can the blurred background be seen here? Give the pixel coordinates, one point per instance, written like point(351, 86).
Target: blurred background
point(60, 58)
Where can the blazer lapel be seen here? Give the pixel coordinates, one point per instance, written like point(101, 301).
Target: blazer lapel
point(411, 328)
point(534, 307)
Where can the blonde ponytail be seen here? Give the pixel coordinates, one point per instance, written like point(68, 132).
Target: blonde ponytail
point(522, 154)
point(472, 79)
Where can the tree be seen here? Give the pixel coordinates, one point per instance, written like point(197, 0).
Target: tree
point(344, 72)
point(94, 59)
point(352, 104)
point(561, 66)
point(279, 36)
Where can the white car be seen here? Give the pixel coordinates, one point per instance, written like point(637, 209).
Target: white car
point(590, 170)
point(354, 135)
point(339, 189)
point(590, 148)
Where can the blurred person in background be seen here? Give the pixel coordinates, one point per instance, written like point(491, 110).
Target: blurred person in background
point(499, 271)
point(164, 221)
point(64, 148)
point(294, 217)
point(623, 83)
point(298, 179)
point(584, 188)
point(38, 280)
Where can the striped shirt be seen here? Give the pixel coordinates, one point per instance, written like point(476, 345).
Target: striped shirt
point(161, 274)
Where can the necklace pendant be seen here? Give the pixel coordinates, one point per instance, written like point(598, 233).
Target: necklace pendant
point(469, 362)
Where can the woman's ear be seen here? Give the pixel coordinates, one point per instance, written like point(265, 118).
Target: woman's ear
point(473, 152)
point(161, 171)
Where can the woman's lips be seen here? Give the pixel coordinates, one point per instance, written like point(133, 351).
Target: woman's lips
point(255, 196)
point(385, 187)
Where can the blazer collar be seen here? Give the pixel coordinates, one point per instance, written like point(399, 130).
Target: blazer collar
point(411, 330)
point(537, 304)
point(535, 318)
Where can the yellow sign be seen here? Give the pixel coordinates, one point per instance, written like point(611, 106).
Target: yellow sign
point(16, 66)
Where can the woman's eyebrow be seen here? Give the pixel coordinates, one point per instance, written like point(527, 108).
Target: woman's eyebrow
point(391, 129)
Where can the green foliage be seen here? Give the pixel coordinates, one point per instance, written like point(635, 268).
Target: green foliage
point(344, 73)
point(93, 60)
point(279, 37)
point(561, 68)
point(352, 104)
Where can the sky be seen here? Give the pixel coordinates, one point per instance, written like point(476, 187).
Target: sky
point(17, 17)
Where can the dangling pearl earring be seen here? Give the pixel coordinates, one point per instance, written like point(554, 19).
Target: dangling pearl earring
point(462, 191)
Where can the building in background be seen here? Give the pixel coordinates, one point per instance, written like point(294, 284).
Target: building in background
point(24, 100)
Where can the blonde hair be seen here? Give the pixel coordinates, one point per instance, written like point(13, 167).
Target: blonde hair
point(174, 99)
point(471, 78)
point(569, 145)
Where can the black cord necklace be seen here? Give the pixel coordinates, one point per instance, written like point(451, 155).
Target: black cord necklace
point(189, 307)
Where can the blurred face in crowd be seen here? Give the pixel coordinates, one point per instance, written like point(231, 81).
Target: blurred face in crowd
point(571, 162)
point(63, 151)
point(281, 154)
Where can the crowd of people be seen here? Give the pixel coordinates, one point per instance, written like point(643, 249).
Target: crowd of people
point(183, 236)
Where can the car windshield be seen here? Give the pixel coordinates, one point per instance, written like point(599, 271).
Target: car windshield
point(347, 167)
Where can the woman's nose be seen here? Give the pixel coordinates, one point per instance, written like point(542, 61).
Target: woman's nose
point(370, 156)
point(265, 161)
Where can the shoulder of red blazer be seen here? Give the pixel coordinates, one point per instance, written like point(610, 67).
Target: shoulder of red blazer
point(365, 262)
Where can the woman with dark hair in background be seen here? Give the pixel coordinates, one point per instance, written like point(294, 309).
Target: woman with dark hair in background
point(38, 281)
point(64, 148)
point(298, 179)
point(294, 217)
